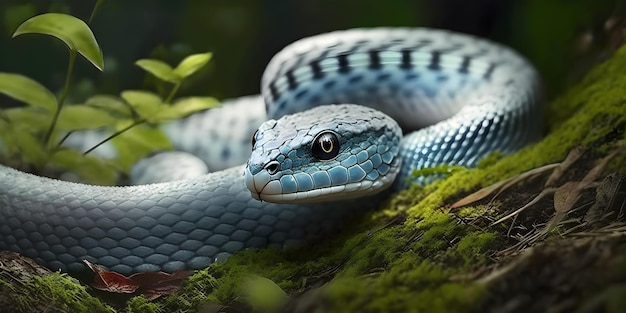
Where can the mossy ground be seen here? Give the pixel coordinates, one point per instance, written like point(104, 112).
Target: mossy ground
point(414, 255)
point(27, 287)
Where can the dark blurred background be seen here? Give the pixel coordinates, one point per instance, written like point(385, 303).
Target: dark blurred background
point(561, 37)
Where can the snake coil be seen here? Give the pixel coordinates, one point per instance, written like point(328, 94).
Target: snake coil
point(468, 97)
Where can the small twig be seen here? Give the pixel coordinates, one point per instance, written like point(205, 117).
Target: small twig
point(540, 196)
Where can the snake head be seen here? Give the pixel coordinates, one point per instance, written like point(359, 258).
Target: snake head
point(327, 153)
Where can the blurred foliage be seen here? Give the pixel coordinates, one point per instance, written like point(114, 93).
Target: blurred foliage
point(31, 135)
point(245, 34)
point(562, 38)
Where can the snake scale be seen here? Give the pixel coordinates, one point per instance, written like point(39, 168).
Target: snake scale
point(465, 97)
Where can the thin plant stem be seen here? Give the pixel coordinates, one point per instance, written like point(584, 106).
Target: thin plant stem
point(66, 88)
point(95, 9)
point(69, 133)
point(172, 93)
point(67, 85)
point(115, 134)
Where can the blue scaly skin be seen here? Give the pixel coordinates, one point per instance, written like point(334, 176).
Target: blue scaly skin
point(467, 96)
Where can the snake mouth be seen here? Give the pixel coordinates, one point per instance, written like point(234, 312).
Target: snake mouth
point(263, 188)
point(254, 185)
point(334, 193)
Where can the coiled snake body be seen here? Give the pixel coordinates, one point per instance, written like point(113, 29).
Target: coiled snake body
point(470, 97)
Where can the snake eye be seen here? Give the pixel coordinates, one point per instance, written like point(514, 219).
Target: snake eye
point(325, 146)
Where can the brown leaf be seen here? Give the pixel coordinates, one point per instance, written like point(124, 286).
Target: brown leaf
point(149, 284)
point(149, 278)
point(566, 196)
point(154, 285)
point(111, 281)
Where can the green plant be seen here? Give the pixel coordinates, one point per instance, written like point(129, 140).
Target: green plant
point(34, 133)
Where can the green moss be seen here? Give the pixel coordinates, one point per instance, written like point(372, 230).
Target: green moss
point(410, 285)
point(55, 293)
point(490, 159)
point(141, 305)
point(597, 110)
point(471, 248)
point(408, 267)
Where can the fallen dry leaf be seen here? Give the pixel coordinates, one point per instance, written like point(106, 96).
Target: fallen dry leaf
point(149, 284)
point(566, 196)
point(110, 281)
point(154, 285)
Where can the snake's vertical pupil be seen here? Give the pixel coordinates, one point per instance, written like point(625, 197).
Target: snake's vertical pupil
point(325, 146)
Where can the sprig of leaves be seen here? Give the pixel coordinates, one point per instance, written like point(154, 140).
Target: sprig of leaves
point(27, 131)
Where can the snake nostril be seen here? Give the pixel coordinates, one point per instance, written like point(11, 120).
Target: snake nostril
point(272, 167)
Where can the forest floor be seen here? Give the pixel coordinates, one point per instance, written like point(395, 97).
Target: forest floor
point(541, 230)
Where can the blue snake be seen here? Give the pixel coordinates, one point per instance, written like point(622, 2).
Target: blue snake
point(323, 152)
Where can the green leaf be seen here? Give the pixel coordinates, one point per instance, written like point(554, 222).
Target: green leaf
point(159, 69)
point(93, 169)
point(80, 117)
point(184, 107)
point(30, 119)
point(7, 148)
point(71, 30)
point(192, 63)
point(146, 104)
point(25, 144)
point(112, 104)
point(24, 89)
point(138, 142)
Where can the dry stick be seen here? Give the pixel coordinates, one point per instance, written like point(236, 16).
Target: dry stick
point(571, 157)
point(501, 186)
point(543, 193)
point(525, 175)
point(559, 169)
